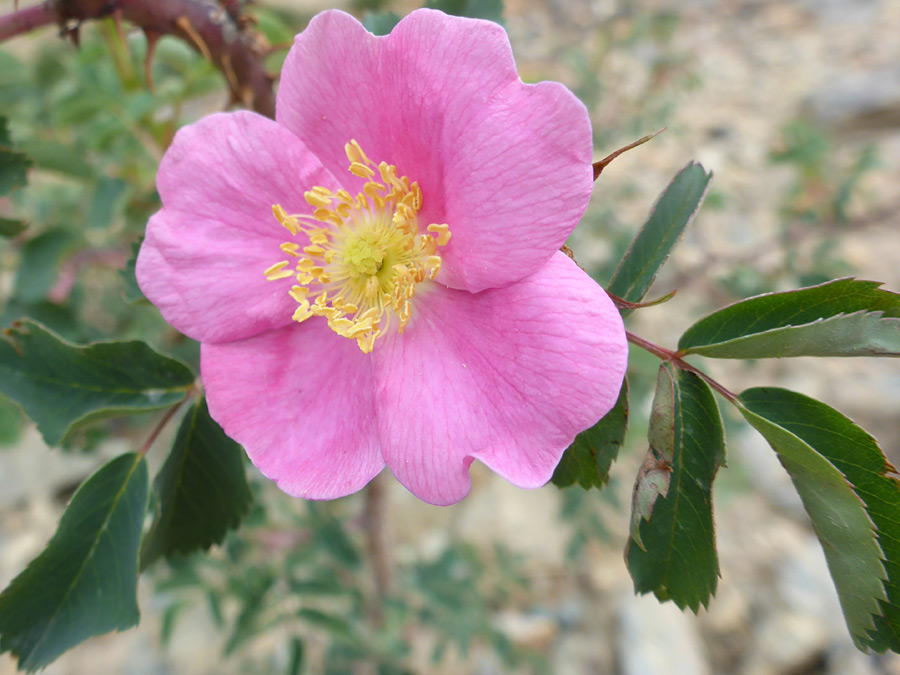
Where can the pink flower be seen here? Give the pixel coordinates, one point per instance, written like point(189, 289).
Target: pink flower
point(427, 323)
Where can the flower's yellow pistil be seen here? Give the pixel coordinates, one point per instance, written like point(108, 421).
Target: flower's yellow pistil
point(365, 254)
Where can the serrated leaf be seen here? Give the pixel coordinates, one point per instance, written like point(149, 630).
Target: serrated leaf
point(593, 451)
point(808, 436)
point(61, 385)
point(492, 10)
point(658, 236)
point(380, 23)
point(10, 227)
point(655, 474)
point(133, 293)
point(202, 489)
point(85, 581)
point(677, 557)
point(13, 165)
point(857, 455)
point(845, 317)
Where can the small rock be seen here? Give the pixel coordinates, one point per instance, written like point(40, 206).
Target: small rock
point(658, 638)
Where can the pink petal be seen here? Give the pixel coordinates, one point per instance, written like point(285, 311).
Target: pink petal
point(205, 252)
point(299, 399)
point(508, 376)
point(505, 164)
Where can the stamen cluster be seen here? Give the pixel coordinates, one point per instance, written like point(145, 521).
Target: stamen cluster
point(365, 254)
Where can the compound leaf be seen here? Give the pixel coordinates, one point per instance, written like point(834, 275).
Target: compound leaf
point(85, 581)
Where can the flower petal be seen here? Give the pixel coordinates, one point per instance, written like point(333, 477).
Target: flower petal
point(508, 376)
point(505, 164)
point(203, 260)
point(299, 399)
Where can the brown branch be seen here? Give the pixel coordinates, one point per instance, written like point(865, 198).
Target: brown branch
point(675, 359)
point(378, 543)
point(218, 30)
point(25, 21)
point(157, 430)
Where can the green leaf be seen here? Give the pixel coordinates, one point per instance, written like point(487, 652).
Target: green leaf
point(492, 10)
point(133, 293)
point(652, 245)
point(13, 165)
point(85, 581)
point(838, 470)
point(672, 551)
point(39, 264)
point(10, 423)
point(202, 489)
point(107, 201)
point(61, 385)
point(380, 23)
point(10, 227)
point(593, 451)
point(844, 317)
point(64, 159)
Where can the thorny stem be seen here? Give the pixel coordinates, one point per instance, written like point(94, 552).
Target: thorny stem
point(218, 30)
point(25, 21)
point(378, 543)
point(675, 359)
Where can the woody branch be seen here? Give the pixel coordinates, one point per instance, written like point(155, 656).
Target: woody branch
point(217, 29)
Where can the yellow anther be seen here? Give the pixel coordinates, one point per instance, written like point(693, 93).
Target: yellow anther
point(372, 286)
point(314, 250)
point(319, 237)
point(299, 293)
point(290, 248)
point(290, 222)
point(388, 174)
point(278, 271)
point(327, 216)
point(361, 170)
point(341, 325)
point(317, 199)
point(355, 152)
point(372, 189)
point(442, 231)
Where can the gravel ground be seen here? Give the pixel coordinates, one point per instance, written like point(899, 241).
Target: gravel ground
point(733, 74)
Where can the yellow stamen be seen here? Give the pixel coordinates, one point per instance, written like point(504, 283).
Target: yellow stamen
point(365, 255)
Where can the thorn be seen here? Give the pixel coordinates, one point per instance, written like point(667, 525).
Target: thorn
point(230, 75)
point(152, 39)
point(603, 163)
point(185, 25)
point(247, 96)
point(117, 19)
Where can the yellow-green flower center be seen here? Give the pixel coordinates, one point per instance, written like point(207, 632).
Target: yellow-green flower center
point(365, 254)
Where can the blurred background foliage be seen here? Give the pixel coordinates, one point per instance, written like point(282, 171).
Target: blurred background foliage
point(292, 590)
